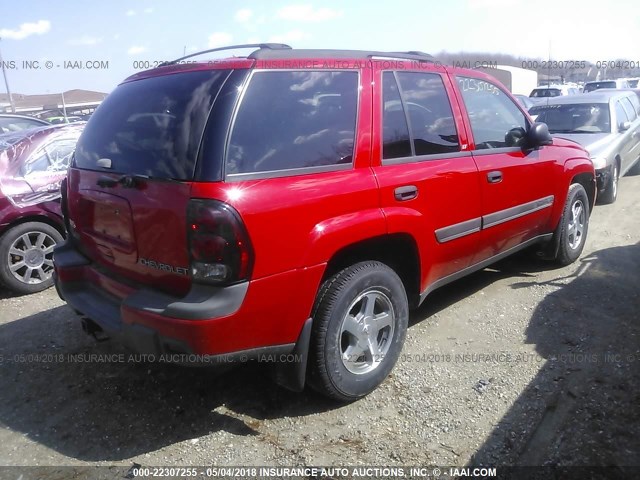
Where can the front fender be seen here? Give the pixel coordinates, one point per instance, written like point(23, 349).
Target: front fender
point(574, 168)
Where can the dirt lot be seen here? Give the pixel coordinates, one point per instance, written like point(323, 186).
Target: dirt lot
point(520, 364)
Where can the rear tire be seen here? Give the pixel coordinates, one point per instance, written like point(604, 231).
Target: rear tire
point(26, 257)
point(610, 193)
point(574, 225)
point(359, 325)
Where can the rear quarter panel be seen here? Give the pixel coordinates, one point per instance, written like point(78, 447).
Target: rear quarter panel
point(299, 221)
point(49, 212)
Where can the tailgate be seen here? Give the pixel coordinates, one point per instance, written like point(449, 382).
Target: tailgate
point(137, 232)
point(130, 181)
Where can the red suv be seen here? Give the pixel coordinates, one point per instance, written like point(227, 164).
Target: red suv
point(295, 204)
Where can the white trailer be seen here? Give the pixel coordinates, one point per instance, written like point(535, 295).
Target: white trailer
point(517, 80)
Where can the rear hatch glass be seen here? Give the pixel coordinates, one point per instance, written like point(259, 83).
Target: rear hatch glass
point(545, 92)
point(152, 126)
point(147, 131)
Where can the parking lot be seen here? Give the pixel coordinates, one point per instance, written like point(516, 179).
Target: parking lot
point(521, 363)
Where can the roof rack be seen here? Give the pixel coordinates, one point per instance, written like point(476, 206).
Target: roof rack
point(280, 54)
point(415, 53)
point(279, 51)
point(269, 46)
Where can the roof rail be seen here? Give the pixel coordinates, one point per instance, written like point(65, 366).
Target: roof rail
point(416, 53)
point(411, 55)
point(268, 46)
point(285, 54)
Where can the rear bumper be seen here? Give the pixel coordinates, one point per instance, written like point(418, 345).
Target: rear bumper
point(242, 321)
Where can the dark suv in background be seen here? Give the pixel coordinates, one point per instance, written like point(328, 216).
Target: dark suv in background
point(295, 204)
point(10, 123)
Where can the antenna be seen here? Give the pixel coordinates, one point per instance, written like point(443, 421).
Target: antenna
point(549, 71)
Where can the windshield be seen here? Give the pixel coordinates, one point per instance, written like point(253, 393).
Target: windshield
point(151, 127)
point(633, 83)
point(8, 140)
point(545, 92)
point(590, 87)
point(574, 118)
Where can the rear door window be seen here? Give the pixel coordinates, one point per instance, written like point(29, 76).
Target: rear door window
point(491, 112)
point(151, 126)
point(396, 142)
point(621, 114)
point(291, 120)
point(629, 108)
point(635, 102)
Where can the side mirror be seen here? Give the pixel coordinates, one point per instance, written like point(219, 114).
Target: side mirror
point(538, 135)
point(516, 137)
point(624, 126)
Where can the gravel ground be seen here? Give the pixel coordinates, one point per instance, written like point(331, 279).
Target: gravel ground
point(520, 364)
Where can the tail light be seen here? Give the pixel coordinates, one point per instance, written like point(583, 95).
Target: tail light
point(72, 234)
point(64, 204)
point(219, 245)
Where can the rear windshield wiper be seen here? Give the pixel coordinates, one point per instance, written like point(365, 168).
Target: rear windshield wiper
point(129, 181)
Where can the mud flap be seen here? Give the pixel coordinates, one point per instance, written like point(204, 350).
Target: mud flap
point(292, 374)
point(549, 250)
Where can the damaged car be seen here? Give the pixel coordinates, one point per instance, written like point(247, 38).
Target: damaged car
point(33, 163)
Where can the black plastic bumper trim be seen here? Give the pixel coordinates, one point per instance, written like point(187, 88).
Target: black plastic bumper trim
point(66, 256)
point(104, 310)
point(203, 302)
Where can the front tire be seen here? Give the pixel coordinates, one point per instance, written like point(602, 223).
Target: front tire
point(359, 325)
point(574, 225)
point(26, 257)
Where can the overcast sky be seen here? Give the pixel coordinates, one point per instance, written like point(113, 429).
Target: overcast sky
point(122, 32)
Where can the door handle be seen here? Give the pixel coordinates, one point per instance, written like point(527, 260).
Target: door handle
point(494, 177)
point(407, 192)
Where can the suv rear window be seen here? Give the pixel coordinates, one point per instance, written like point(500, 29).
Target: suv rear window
point(294, 119)
point(151, 127)
point(545, 92)
point(591, 86)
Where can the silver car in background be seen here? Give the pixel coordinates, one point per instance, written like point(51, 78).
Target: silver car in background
point(606, 123)
point(599, 84)
point(541, 94)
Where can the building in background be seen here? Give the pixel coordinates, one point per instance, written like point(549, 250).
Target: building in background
point(74, 102)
